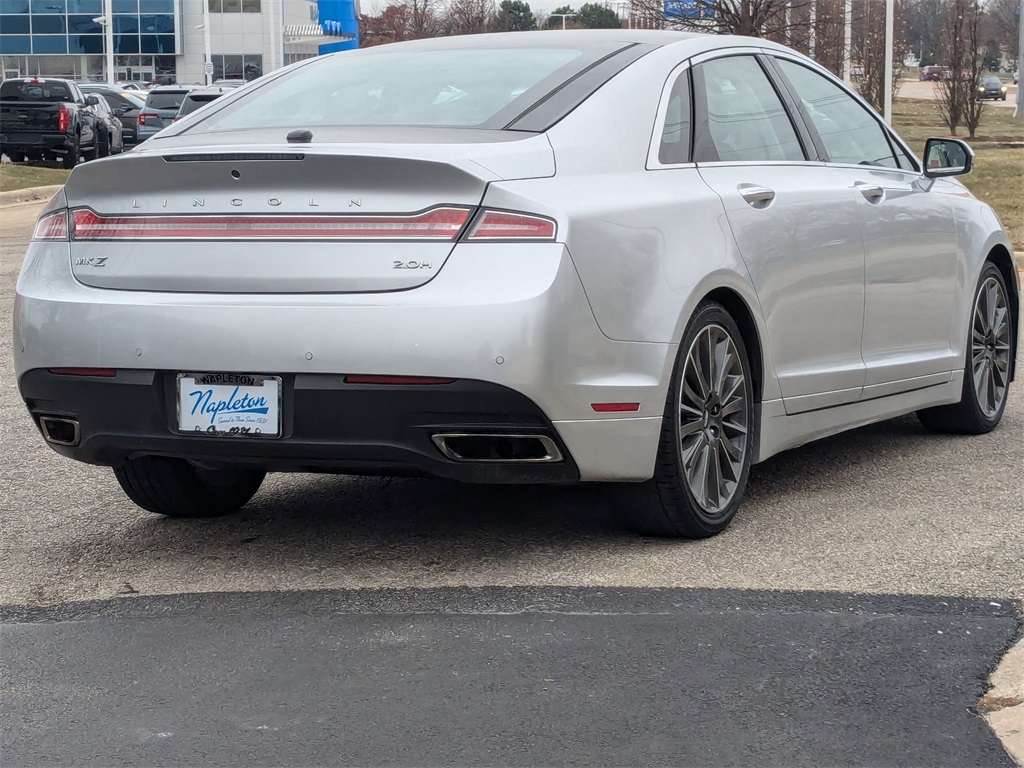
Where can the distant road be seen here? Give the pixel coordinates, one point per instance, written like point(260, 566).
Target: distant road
point(917, 89)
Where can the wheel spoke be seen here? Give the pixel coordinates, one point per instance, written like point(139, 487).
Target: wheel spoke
point(713, 401)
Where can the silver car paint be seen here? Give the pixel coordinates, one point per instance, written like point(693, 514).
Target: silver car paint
point(597, 318)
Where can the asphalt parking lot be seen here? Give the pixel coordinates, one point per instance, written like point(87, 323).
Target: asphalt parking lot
point(918, 538)
point(888, 508)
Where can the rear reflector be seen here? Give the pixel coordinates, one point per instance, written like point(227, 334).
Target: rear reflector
point(615, 407)
point(105, 372)
point(395, 380)
point(506, 225)
point(53, 226)
point(436, 224)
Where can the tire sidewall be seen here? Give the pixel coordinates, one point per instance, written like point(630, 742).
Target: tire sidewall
point(970, 392)
point(711, 313)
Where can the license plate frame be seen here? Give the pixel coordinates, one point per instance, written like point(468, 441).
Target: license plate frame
point(253, 410)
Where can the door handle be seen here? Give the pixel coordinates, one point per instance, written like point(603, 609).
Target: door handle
point(758, 197)
point(872, 192)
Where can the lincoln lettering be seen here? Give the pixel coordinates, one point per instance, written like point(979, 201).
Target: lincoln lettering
point(205, 404)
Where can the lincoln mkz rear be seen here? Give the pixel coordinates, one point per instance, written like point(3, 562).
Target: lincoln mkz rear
point(626, 257)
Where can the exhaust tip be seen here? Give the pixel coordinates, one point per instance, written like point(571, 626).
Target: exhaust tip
point(60, 430)
point(497, 448)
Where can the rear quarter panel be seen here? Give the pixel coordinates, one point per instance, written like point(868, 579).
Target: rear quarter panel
point(648, 244)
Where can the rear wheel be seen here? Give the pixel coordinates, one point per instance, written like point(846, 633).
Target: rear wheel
point(70, 158)
point(16, 157)
point(706, 438)
point(176, 488)
point(987, 369)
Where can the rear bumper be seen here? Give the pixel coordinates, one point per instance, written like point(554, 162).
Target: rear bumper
point(36, 142)
point(328, 426)
point(508, 319)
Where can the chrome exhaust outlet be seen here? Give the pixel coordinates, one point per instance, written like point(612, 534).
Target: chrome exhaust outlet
point(497, 448)
point(60, 430)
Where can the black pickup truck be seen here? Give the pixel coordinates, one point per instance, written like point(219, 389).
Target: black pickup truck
point(46, 118)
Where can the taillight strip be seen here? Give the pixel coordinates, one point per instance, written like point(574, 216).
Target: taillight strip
point(443, 223)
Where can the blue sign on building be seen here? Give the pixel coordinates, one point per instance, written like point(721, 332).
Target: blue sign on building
point(687, 10)
point(338, 19)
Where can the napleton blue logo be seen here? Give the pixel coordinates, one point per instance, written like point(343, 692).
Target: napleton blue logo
point(235, 403)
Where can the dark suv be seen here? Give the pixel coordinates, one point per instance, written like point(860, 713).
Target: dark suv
point(162, 105)
point(127, 105)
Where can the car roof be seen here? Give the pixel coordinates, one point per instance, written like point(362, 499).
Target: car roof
point(171, 89)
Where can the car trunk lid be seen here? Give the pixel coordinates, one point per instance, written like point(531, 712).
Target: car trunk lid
point(283, 219)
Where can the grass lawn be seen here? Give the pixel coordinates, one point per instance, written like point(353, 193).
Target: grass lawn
point(24, 176)
point(998, 175)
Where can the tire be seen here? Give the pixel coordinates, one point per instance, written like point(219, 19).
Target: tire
point(719, 430)
point(16, 157)
point(989, 350)
point(72, 156)
point(175, 488)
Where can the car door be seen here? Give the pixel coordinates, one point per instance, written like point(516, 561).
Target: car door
point(87, 116)
point(796, 225)
point(910, 241)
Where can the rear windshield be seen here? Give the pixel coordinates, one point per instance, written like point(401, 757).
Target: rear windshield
point(19, 90)
point(169, 100)
point(464, 87)
point(197, 100)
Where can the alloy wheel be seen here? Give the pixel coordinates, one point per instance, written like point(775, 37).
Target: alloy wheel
point(713, 424)
point(990, 347)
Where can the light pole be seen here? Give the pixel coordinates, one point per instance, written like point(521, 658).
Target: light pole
point(890, 20)
point(206, 41)
point(1018, 111)
point(564, 16)
point(847, 40)
point(107, 22)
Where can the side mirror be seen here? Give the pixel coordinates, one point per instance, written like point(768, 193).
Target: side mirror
point(947, 157)
point(92, 100)
point(121, 111)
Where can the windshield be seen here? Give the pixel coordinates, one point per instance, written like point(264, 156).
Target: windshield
point(464, 87)
point(23, 90)
point(992, 81)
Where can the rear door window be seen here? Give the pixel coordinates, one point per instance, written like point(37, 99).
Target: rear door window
point(743, 119)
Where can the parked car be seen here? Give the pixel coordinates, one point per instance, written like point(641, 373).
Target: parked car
point(934, 73)
point(108, 127)
point(229, 83)
point(612, 256)
point(126, 105)
point(162, 104)
point(43, 118)
point(200, 97)
point(991, 87)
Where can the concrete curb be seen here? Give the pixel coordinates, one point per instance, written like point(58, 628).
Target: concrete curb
point(29, 195)
point(1004, 703)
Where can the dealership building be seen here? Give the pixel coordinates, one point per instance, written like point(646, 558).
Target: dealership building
point(166, 40)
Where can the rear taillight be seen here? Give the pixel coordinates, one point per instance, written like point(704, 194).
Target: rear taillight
point(437, 224)
point(508, 225)
point(63, 120)
point(52, 226)
point(144, 116)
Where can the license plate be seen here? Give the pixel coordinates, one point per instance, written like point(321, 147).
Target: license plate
point(229, 404)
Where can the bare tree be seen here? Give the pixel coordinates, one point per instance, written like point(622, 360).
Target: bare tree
point(953, 88)
point(869, 50)
point(974, 107)
point(756, 18)
point(468, 17)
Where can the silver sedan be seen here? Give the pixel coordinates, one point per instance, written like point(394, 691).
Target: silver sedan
point(649, 259)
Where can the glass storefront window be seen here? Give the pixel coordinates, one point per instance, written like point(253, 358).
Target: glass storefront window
point(49, 44)
point(48, 25)
point(83, 25)
point(14, 25)
point(14, 44)
point(13, 6)
point(85, 44)
point(126, 25)
point(92, 7)
point(48, 6)
point(157, 6)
